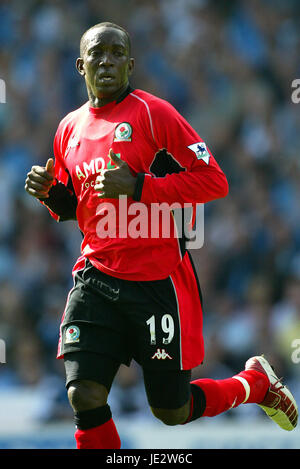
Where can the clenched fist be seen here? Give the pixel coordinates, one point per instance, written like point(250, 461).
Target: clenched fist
point(40, 179)
point(115, 182)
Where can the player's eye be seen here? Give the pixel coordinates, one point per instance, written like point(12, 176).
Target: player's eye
point(93, 53)
point(118, 52)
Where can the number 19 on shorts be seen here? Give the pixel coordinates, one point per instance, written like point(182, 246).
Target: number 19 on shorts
point(167, 326)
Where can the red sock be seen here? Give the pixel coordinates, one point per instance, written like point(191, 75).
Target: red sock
point(221, 395)
point(258, 383)
point(102, 437)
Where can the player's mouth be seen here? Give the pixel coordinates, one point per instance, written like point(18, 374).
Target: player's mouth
point(106, 78)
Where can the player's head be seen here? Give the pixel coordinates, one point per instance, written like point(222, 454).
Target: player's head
point(105, 60)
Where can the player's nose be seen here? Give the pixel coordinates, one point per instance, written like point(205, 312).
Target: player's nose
point(105, 60)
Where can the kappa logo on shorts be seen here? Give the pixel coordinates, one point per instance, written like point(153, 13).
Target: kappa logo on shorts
point(161, 355)
point(72, 334)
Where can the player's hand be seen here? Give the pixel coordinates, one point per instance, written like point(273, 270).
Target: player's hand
point(40, 179)
point(114, 182)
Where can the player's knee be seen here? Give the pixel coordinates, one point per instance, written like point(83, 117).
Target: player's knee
point(171, 416)
point(85, 395)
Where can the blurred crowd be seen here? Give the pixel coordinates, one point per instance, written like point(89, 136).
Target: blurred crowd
point(228, 68)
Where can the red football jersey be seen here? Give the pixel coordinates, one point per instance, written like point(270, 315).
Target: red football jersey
point(171, 162)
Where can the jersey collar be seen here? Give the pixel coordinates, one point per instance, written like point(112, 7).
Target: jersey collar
point(100, 110)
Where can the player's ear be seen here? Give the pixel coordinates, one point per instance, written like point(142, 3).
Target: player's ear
point(80, 66)
point(131, 64)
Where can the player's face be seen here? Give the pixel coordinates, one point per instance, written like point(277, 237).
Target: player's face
point(105, 62)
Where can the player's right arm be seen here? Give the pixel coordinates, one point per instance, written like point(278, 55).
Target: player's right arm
point(59, 198)
point(52, 184)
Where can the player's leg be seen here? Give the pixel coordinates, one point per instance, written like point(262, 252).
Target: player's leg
point(89, 377)
point(174, 400)
point(92, 343)
point(169, 395)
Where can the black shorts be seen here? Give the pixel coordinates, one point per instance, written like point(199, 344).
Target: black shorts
point(138, 320)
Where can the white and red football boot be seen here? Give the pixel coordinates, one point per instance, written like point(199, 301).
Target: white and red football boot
point(278, 403)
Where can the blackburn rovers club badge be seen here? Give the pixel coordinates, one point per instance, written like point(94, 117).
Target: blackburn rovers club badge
point(72, 334)
point(123, 132)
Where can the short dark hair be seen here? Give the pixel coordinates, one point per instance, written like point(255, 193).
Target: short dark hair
point(105, 24)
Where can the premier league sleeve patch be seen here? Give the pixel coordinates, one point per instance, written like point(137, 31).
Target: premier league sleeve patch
point(200, 151)
point(123, 132)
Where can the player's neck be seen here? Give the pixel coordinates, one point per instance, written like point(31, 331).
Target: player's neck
point(96, 101)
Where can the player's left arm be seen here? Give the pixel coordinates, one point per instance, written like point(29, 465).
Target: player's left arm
point(200, 178)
